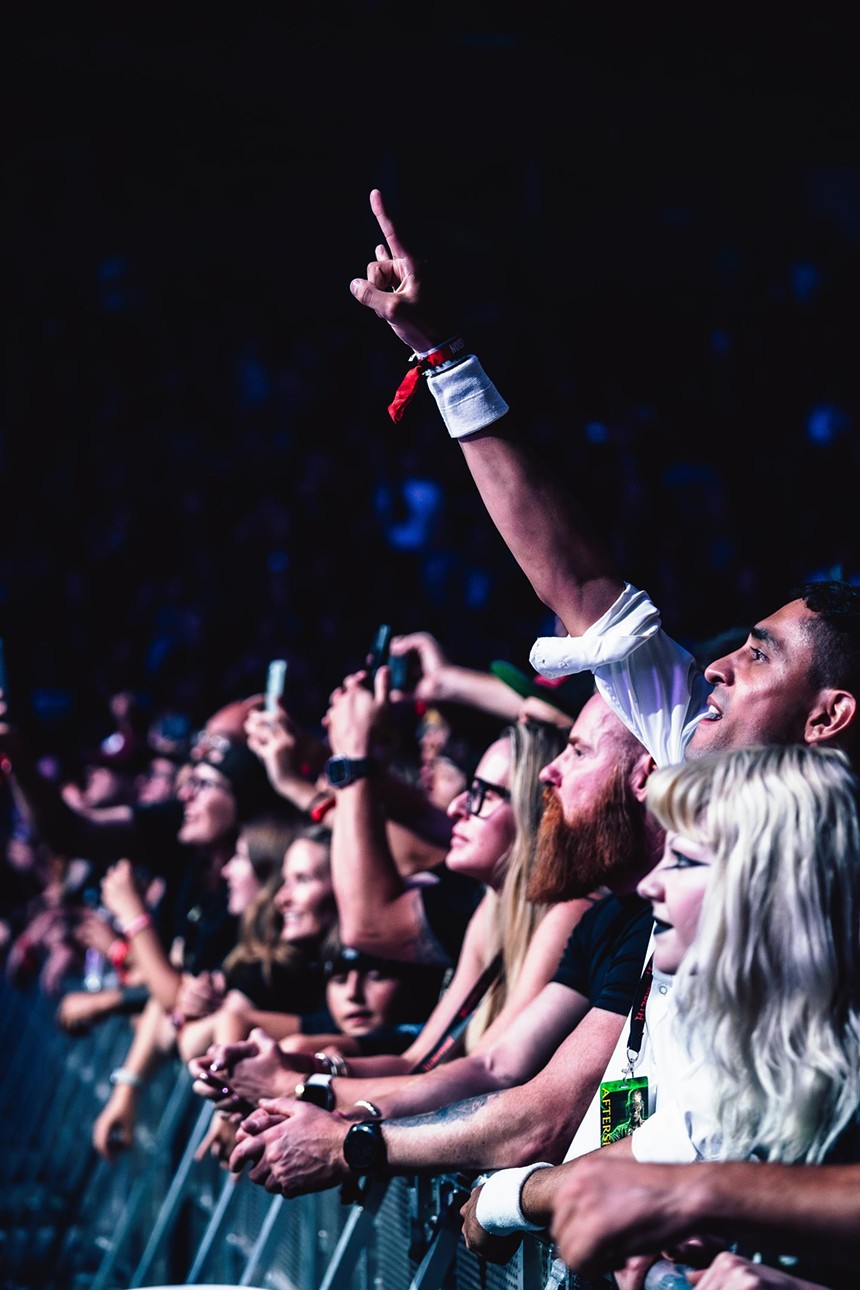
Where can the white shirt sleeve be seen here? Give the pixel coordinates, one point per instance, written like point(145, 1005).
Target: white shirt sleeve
point(652, 683)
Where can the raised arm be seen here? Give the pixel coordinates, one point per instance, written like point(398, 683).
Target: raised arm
point(121, 896)
point(377, 911)
point(96, 835)
point(442, 681)
point(567, 564)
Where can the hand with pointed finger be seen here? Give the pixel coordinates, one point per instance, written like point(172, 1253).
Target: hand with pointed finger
point(393, 288)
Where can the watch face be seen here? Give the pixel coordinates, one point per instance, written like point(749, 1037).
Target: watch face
point(338, 771)
point(319, 1093)
point(363, 1148)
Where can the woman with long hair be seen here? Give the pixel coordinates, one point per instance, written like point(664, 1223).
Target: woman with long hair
point(275, 977)
point(757, 908)
point(495, 822)
point(756, 902)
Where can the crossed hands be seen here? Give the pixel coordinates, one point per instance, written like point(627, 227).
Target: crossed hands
point(251, 1071)
point(291, 1147)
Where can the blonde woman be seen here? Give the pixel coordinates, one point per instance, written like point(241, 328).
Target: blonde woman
point(756, 904)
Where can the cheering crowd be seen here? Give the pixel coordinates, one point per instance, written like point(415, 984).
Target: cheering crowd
point(589, 936)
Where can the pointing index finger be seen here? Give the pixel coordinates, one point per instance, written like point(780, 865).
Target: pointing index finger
point(389, 232)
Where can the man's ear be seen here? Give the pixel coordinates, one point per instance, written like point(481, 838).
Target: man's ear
point(640, 773)
point(834, 712)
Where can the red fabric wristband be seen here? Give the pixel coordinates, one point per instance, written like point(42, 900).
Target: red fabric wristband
point(435, 358)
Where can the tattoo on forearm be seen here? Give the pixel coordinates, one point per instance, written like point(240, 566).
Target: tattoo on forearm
point(448, 1114)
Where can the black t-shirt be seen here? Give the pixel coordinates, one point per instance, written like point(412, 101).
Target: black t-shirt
point(199, 917)
point(449, 900)
point(155, 843)
point(297, 987)
point(604, 955)
point(193, 908)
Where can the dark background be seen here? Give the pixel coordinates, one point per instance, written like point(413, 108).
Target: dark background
point(651, 229)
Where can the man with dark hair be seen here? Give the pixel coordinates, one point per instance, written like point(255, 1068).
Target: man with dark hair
point(795, 678)
point(835, 631)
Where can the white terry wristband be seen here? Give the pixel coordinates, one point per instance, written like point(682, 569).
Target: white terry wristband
point(466, 397)
point(498, 1209)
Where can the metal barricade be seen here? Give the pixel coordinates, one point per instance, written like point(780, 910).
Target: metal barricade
point(158, 1216)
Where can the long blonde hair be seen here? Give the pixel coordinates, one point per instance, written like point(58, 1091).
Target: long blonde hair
point(769, 990)
point(512, 918)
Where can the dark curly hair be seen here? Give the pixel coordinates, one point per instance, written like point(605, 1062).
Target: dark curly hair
point(835, 633)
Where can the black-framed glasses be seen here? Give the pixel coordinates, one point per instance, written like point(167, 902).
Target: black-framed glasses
point(477, 792)
point(195, 784)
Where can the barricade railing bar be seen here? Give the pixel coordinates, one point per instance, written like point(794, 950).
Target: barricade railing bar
point(158, 1217)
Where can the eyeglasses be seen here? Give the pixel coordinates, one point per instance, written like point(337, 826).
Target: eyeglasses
point(477, 792)
point(197, 784)
point(206, 741)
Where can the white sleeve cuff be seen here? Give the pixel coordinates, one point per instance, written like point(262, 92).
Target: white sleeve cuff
point(466, 397)
point(498, 1210)
point(627, 624)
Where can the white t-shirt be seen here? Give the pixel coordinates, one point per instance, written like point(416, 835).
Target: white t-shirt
point(587, 1136)
point(683, 1128)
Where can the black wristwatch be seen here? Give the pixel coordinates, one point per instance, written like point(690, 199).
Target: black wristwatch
point(340, 771)
point(317, 1089)
point(364, 1148)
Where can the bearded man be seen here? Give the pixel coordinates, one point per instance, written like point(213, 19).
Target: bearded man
point(526, 1095)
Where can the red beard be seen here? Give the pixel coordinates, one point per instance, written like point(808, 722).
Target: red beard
point(603, 847)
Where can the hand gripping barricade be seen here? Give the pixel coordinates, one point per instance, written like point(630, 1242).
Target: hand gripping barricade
point(159, 1218)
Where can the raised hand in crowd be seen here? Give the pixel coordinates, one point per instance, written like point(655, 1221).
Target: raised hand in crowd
point(357, 717)
point(441, 681)
point(120, 894)
point(93, 932)
point(394, 287)
point(291, 757)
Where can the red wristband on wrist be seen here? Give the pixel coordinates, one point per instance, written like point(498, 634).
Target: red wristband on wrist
point(435, 358)
point(118, 952)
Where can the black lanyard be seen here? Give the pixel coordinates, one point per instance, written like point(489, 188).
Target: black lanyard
point(637, 1013)
point(460, 1020)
